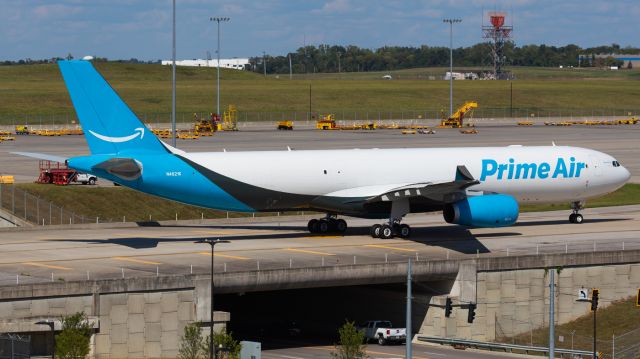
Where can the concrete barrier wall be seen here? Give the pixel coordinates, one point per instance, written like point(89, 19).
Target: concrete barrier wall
point(512, 302)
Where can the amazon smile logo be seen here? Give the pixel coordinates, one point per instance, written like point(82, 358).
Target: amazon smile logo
point(138, 132)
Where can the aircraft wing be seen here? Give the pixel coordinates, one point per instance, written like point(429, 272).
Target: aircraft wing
point(443, 192)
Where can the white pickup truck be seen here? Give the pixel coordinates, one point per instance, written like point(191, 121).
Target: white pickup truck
point(383, 332)
point(85, 178)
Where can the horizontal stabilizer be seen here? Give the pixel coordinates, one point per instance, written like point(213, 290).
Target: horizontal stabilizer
point(42, 156)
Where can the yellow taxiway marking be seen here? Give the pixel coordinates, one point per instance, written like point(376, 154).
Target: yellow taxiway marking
point(389, 247)
point(309, 252)
point(368, 352)
point(46, 266)
point(223, 256)
point(127, 259)
point(324, 237)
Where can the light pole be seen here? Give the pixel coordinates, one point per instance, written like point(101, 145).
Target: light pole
point(212, 243)
point(173, 80)
point(218, 20)
point(51, 325)
point(339, 54)
point(264, 63)
point(451, 22)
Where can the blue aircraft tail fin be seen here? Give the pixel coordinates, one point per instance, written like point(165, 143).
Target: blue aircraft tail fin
point(109, 125)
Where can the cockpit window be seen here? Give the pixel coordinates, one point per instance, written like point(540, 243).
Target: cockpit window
point(616, 164)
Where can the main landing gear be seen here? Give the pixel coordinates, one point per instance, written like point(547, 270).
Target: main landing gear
point(388, 231)
point(576, 217)
point(329, 224)
point(399, 208)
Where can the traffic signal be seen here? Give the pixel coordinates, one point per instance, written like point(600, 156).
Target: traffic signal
point(448, 307)
point(472, 312)
point(595, 293)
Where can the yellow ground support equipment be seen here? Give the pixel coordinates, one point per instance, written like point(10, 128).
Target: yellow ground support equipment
point(628, 121)
point(7, 138)
point(187, 136)
point(285, 125)
point(7, 179)
point(409, 132)
point(456, 120)
point(22, 130)
point(525, 123)
point(472, 131)
point(206, 127)
point(327, 122)
point(230, 119)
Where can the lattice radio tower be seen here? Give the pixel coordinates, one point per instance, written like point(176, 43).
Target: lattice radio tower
point(497, 34)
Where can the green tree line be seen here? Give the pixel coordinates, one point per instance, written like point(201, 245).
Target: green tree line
point(331, 58)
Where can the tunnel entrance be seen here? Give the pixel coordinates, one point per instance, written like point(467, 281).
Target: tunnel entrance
point(313, 316)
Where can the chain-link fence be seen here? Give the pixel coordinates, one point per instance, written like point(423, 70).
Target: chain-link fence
point(624, 346)
point(13, 346)
point(43, 121)
point(31, 208)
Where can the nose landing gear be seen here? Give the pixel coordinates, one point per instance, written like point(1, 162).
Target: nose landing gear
point(576, 217)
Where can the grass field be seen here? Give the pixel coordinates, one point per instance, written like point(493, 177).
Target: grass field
point(116, 202)
point(29, 90)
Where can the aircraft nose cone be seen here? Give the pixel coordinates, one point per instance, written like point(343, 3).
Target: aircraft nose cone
point(626, 175)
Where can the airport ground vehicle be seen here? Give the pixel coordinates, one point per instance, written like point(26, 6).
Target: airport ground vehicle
point(473, 186)
point(285, 125)
point(327, 122)
point(85, 178)
point(456, 119)
point(383, 332)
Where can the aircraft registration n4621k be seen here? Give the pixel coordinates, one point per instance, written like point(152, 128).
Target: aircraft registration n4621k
point(472, 186)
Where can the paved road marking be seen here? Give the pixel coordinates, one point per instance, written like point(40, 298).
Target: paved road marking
point(223, 255)
point(128, 259)
point(369, 352)
point(309, 252)
point(389, 247)
point(46, 266)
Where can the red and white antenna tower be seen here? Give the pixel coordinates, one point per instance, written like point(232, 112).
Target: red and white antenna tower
point(498, 34)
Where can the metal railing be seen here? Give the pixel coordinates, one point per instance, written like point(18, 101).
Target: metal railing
point(13, 346)
point(504, 347)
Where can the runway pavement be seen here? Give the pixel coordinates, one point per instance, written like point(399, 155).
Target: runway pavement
point(618, 141)
point(68, 253)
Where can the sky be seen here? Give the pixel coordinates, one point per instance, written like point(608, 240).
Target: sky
point(124, 29)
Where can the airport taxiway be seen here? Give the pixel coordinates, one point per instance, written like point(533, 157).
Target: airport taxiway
point(112, 251)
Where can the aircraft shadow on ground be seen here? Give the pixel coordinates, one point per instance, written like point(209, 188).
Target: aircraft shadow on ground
point(454, 238)
point(555, 222)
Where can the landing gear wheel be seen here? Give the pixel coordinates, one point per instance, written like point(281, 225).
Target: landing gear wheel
point(341, 225)
point(404, 231)
point(323, 226)
point(375, 230)
point(577, 218)
point(572, 218)
point(312, 226)
point(386, 232)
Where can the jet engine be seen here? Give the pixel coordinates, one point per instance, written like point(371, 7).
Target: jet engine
point(494, 210)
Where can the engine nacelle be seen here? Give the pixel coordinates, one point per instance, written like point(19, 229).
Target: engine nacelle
point(494, 210)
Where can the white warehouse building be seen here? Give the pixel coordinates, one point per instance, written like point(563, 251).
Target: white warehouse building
point(235, 63)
